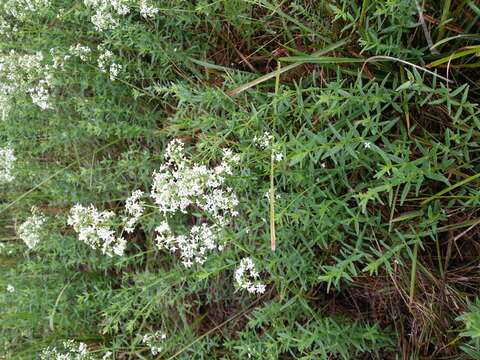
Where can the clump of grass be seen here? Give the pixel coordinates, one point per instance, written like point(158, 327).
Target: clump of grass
point(344, 223)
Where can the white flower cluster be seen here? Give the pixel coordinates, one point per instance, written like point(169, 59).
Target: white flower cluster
point(7, 159)
point(71, 350)
point(107, 64)
point(153, 341)
point(32, 74)
point(40, 93)
point(264, 141)
point(7, 29)
point(25, 73)
point(147, 11)
point(181, 184)
point(10, 288)
point(247, 277)
point(5, 104)
point(58, 60)
point(30, 230)
point(106, 59)
point(21, 9)
point(194, 247)
point(179, 187)
point(134, 208)
point(81, 51)
point(33, 65)
point(93, 229)
point(108, 12)
point(277, 155)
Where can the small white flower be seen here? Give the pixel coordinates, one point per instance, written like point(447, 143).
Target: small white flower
point(174, 153)
point(82, 349)
point(247, 277)
point(107, 13)
point(107, 356)
point(104, 59)
point(277, 156)
point(81, 51)
point(93, 229)
point(70, 350)
point(29, 231)
point(260, 288)
point(264, 141)
point(103, 21)
point(147, 11)
point(115, 69)
point(10, 288)
point(134, 208)
point(7, 159)
point(40, 95)
point(267, 195)
point(119, 247)
point(106, 63)
point(153, 341)
point(367, 145)
point(194, 247)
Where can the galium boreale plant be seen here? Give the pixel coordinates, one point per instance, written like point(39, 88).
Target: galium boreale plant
point(372, 163)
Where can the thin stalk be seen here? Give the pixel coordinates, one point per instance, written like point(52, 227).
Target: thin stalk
point(445, 13)
point(413, 275)
point(363, 13)
point(273, 239)
point(272, 204)
point(405, 100)
point(450, 188)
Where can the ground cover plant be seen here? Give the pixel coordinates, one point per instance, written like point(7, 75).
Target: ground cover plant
point(239, 179)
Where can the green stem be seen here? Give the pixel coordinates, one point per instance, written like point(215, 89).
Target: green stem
point(413, 275)
point(445, 13)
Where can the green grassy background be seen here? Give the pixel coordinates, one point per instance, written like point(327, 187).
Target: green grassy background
point(378, 200)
